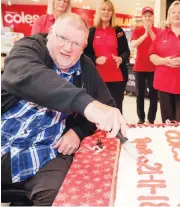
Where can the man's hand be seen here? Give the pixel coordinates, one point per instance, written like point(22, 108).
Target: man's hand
point(118, 60)
point(68, 143)
point(106, 118)
point(101, 60)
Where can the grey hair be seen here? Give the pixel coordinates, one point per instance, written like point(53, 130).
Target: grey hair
point(73, 19)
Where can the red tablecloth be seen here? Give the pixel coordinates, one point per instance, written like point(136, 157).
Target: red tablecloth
point(91, 180)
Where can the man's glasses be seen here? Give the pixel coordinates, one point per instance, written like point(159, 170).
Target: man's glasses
point(63, 41)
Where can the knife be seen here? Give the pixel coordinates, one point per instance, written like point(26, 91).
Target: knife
point(131, 149)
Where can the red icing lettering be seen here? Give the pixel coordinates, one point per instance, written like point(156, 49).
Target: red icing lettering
point(149, 204)
point(148, 169)
point(141, 145)
point(173, 138)
point(152, 184)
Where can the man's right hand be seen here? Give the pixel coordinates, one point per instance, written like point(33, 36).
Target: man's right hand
point(106, 118)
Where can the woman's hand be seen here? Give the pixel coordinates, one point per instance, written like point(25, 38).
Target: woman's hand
point(118, 60)
point(101, 60)
point(172, 62)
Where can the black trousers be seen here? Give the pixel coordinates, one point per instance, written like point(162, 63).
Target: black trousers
point(170, 106)
point(141, 78)
point(117, 90)
point(42, 188)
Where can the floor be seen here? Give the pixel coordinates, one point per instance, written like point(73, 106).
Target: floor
point(129, 110)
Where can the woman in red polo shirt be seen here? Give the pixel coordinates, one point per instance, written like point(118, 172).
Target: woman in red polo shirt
point(44, 22)
point(108, 49)
point(165, 54)
point(141, 39)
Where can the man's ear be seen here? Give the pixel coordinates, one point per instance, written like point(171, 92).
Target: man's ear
point(50, 32)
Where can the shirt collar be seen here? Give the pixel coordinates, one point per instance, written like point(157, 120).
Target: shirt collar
point(107, 28)
point(169, 29)
point(74, 69)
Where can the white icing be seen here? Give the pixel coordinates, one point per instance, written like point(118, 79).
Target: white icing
point(128, 177)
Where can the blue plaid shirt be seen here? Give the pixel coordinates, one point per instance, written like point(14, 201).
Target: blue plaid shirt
point(29, 131)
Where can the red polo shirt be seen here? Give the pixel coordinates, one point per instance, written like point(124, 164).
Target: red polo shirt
point(105, 44)
point(142, 63)
point(166, 79)
point(43, 24)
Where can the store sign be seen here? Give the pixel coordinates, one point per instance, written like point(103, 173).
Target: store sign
point(21, 17)
point(122, 20)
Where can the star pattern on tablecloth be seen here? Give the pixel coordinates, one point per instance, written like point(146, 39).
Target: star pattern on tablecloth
point(82, 172)
point(73, 190)
point(75, 197)
point(86, 177)
point(87, 195)
point(89, 180)
point(78, 182)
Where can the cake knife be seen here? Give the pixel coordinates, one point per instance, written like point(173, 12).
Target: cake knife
point(131, 149)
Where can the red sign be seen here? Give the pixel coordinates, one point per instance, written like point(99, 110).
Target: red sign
point(86, 14)
point(21, 17)
point(122, 20)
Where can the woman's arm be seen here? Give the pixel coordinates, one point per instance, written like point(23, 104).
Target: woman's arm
point(172, 62)
point(136, 43)
point(37, 26)
point(157, 60)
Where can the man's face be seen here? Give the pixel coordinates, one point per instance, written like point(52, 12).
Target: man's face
point(61, 5)
point(66, 44)
point(148, 18)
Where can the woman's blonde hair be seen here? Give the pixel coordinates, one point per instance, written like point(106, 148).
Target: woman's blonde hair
point(175, 3)
point(97, 19)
